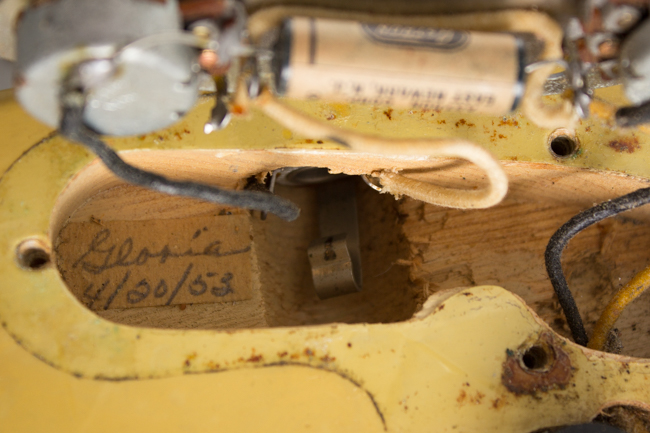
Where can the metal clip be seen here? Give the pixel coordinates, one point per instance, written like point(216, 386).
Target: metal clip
point(335, 258)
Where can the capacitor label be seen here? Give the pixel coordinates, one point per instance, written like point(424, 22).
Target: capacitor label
point(400, 66)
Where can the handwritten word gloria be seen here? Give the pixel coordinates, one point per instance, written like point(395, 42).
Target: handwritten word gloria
point(102, 248)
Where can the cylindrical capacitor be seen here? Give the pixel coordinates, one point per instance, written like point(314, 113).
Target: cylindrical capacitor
point(400, 66)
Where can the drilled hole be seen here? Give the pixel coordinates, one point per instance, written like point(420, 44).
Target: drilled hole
point(535, 358)
point(32, 254)
point(563, 146)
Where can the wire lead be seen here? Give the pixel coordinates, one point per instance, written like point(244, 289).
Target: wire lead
point(559, 240)
point(73, 127)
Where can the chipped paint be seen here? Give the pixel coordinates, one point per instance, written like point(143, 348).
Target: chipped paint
point(53, 350)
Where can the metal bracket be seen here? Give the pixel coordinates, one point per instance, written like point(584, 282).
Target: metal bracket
point(335, 258)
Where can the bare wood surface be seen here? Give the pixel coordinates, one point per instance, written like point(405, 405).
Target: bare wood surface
point(409, 249)
point(505, 246)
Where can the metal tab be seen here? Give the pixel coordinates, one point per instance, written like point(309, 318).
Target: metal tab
point(335, 258)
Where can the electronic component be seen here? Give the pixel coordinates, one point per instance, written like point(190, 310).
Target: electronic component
point(401, 66)
point(138, 76)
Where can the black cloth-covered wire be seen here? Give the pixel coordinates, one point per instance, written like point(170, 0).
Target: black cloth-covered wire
point(561, 238)
point(73, 127)
point(633, 115)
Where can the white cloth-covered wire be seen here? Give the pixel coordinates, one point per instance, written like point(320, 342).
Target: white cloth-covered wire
point(395, 183)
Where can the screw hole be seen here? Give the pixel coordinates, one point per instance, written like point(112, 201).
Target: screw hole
point(563, 146)
point(32, 254)
point(535, 358)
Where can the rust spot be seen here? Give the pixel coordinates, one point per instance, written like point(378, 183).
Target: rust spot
point(331, 117)
point(255, 358)
point(440, 307)
point(282, 354)
point(588, 129)
point(461, 396)
point(294, 356)
point(502, 136)
point(389, 113)
point(182, 306)
point(212, 365)
point(508, 122)
point(327, 358)
point(187, 363)
point(477, 398)
point(498, 403)
point(440, 122)
point(628, 145)
point(237, 109)
point(309, 352)
point(320, 142)
point(309, 141)
point(349, 344)
point(554, 371)
point(464, 122)
point(467, 294)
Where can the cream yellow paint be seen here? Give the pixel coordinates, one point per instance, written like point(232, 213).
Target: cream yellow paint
point(63, 368)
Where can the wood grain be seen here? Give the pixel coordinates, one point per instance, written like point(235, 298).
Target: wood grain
point(409, 249)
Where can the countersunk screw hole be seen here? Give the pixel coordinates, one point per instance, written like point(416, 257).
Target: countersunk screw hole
point(563, 146)
point(32, 254)
point(535, 358)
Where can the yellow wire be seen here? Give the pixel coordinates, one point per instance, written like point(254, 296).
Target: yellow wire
point(632, 290)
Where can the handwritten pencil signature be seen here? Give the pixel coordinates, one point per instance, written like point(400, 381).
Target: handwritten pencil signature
point(112, 256)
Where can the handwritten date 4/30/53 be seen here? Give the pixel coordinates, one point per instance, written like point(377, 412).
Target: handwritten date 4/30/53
point(137, 292)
